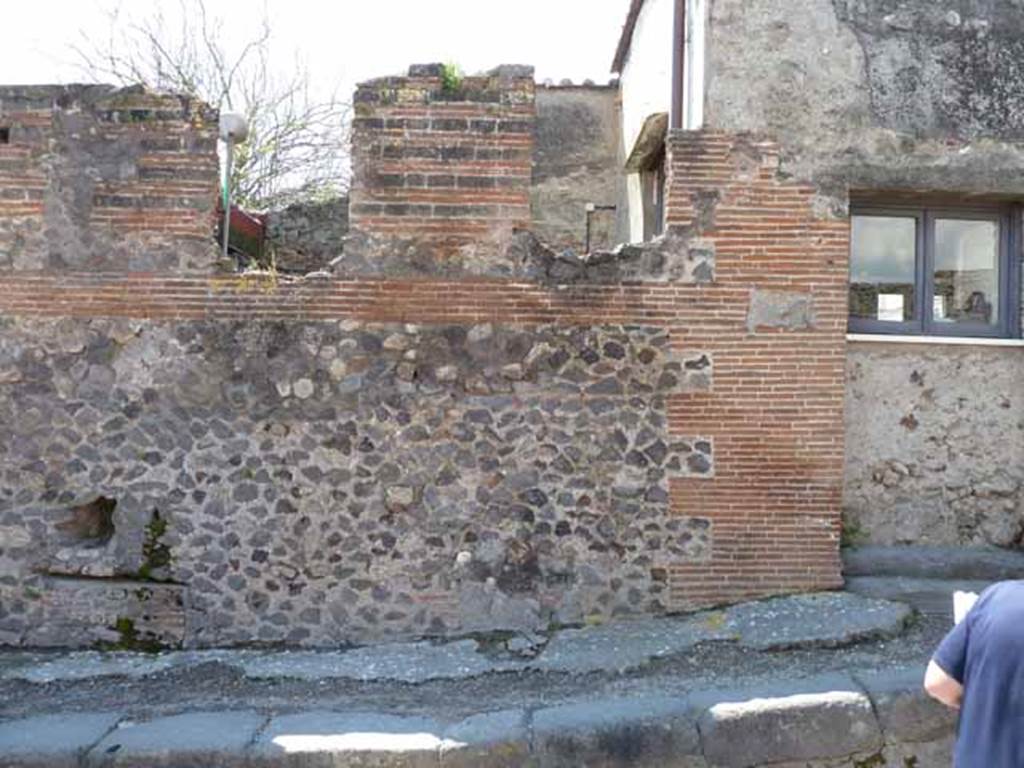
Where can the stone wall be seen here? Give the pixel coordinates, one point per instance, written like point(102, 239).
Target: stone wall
point(330, 482)
point(576, 163)
point(935, 445)
point(94, 177)
point(424, 442)
point(306, 237)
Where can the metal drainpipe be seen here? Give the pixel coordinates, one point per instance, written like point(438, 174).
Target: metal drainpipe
point(227, 194)
point(678, 64)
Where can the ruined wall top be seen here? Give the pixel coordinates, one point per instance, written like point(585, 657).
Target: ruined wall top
point(428, 83)
point(95, 177)
point(443, 162)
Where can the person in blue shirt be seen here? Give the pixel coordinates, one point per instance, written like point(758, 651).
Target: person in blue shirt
point(978, 668)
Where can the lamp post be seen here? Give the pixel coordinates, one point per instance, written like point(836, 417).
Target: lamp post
point(233, 129)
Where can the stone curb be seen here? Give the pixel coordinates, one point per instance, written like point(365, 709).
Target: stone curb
point(875, 718)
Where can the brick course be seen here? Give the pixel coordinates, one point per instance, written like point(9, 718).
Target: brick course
point(448, 167)
point(776, 410)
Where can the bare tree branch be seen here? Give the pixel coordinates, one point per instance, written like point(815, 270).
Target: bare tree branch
point(298, 145)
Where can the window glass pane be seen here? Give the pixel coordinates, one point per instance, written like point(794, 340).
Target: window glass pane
point(882, 267)
point(966, 271)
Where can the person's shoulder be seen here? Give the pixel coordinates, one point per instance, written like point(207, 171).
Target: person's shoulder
point(1000, 591)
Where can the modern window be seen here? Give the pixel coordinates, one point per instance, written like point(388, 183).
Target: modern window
point(942, 271)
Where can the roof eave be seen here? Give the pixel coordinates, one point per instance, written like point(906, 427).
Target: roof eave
point(626, 40)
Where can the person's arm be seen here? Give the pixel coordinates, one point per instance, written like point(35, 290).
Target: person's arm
point(942, 686)
point(944, 679)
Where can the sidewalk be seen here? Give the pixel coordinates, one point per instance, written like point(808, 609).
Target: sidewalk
point(829, 680)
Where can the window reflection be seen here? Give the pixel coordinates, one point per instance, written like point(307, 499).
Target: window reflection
point(966, 271)
point(882, 267)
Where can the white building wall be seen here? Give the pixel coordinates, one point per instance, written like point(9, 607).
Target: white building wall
point(646, 82)
point(696, 57)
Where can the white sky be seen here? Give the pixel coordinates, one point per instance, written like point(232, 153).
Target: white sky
point(345, 41)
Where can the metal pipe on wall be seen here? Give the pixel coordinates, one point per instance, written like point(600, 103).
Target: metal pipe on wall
point(678, 64)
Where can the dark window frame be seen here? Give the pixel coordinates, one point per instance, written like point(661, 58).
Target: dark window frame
point(652, 193)
point(923, 323)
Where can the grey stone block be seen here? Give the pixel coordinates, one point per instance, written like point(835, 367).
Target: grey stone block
point(744, 730)
point(326, 739)
point(83, 612)
point(194, 739)
point(905, 712)
point(826, 620)
point(929, 596)
point(932, 754)
point(497, 739)
point(956, 563)
point(780, 309)
point(618, 732)
point(54, 741)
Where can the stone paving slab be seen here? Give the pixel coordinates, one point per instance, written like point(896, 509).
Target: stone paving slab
point(800, 727)
point(928, 596)
point(904, 711)
point(195, 738)
point(498, 739)
point(83, 665)
point(826, 620)
point(54, 741)
point(801, 621)
point(395, 662)
point(627, 645)
point(649, 731)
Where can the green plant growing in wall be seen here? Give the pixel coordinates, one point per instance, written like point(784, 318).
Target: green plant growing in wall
point(851, 535)
point(451, 78)
point(155, 552)
point(129, 638)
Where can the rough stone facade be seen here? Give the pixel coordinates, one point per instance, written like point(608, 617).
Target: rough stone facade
point(328, 482)
point(576, 164)
point(95, 178)
point(307, 237)
point(460, 428)
point(412, 445)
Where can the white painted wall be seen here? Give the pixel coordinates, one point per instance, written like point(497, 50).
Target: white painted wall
point(696, 58)
point(646, 82)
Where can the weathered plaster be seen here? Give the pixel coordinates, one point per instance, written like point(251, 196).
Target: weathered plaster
point(934, 445)
point(875, 94)
point(575, 162)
